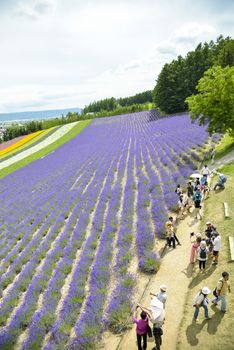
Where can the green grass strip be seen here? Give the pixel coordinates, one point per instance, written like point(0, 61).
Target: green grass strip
point(225, 146)
point(46, 150)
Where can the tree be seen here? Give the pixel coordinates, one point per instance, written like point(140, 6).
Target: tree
point(214, 103)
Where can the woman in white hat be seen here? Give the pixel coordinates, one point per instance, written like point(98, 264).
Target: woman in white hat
point(202, 255)
point(201, 300)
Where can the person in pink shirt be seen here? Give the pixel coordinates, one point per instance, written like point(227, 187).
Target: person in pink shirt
point(141, 329)
point(195, 240)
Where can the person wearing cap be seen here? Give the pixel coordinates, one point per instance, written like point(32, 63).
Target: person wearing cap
point(202, 253)
point(161, 295)
point(216, 241)
point(223, 286)
point(201, 300)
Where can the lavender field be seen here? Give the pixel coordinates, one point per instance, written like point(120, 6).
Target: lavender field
point(72, 222)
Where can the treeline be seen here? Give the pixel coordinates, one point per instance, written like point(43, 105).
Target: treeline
point(15, 130)
point(111, 104)
point(178, 79)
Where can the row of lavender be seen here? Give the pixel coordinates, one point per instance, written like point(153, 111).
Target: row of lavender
point(72, 221)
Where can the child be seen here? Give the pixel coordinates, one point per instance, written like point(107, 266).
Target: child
point(202, 253)
point(141, 328)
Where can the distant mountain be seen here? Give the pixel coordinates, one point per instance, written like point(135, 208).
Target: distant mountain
point(20, 116)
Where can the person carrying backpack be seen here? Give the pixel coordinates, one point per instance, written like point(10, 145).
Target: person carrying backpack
point(201, 300)
point(221, 182)
point(202, 255)
point(220, 292)
point(197, 197)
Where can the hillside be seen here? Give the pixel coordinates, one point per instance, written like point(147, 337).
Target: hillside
point(79, 225)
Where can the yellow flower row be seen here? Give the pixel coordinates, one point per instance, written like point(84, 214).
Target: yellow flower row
point(20, 142)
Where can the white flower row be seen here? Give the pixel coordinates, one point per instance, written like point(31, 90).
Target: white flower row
point(50, 139)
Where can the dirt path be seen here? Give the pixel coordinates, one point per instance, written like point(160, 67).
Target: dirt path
point(176, 272)
point(224, 160)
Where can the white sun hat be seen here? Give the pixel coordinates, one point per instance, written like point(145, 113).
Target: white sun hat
point(163, 287)
point(203, 244)
point(206, 290)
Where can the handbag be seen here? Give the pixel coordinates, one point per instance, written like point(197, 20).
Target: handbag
point(149, 331)
point(215, 292)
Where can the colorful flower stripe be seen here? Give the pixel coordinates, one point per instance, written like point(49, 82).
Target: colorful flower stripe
point(20, 142)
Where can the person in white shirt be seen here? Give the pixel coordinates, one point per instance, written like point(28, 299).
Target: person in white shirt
point(162, 295)
point(205, 171)
point(216, 240)
point(201, 300)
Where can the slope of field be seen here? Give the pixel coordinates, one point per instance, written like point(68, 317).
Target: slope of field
point(72, 223)
point(41, 149)
point(16, 147)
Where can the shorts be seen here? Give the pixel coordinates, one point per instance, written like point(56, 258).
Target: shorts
point(215, 252)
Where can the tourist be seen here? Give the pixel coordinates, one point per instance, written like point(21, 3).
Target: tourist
point(161, 295)
point(178, 190)
point(201, 300)
point(202, 252)
point(156, 316)
point(170, 231)
point(216, 241)
point(141, 328)
point(223, 286)
point(205, 171)
point(197, 197)
point(212, 155)
point(195, 244)
point(190, 194)
point(221, 182)
point(209, 232)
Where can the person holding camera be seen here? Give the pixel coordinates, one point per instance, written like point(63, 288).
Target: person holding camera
point(195, 240)
point(141, 328)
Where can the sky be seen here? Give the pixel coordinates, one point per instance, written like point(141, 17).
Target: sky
point(68, 53)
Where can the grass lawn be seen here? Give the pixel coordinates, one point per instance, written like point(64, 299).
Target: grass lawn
point(224, 146)
point(46, 150)
point(217, 333)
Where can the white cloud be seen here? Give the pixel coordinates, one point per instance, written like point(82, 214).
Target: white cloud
point(61, 53)
point(34, 9)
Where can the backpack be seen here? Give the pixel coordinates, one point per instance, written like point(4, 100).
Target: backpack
point(223, 178)
point(202, 253)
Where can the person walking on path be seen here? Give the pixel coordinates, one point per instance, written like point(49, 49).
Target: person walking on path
point(216, 241)
point(141, 329)
point(170, 230)
point(178, 190)
point(190, 195)
point(162, 294)
point(208, 232)
point(157, 316)
point(205, 171)
point(223, 286)
point(195, 245)
point(201, 300)
point(197, 198)
point(202, 253)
